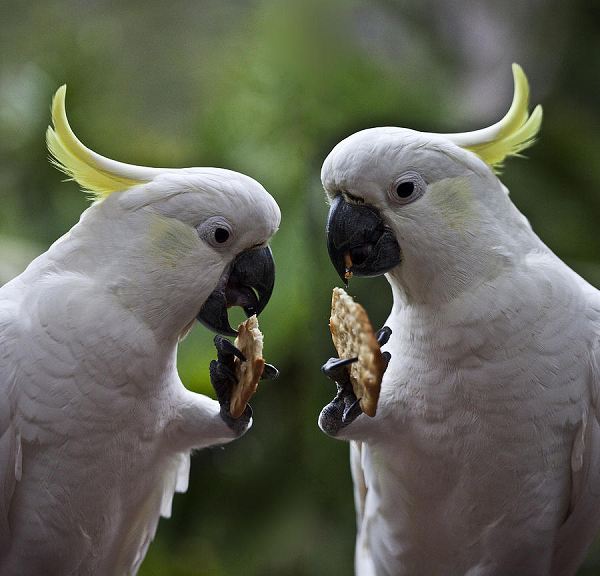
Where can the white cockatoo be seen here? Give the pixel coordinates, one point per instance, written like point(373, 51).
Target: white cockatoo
point(484, 455)
point(96, 427)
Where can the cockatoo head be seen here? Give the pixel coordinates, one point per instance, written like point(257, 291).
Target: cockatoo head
point(427, 208)
point(172, 244)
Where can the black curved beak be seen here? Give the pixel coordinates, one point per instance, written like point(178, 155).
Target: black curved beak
point(358, 241)
point(248, 282)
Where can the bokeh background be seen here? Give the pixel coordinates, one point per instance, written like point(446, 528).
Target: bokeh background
point(267, 87)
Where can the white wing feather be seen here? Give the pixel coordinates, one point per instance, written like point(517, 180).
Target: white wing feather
point(441, 451)
point(10, 440)
point(101, 467)
point(363, 561)
point(581, 525)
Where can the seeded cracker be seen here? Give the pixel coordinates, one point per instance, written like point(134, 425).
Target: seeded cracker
point(250, 342)
point(353, 336)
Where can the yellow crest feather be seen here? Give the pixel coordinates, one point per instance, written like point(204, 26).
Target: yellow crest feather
point(516, 131)
point(77, 161)
point(511, 135)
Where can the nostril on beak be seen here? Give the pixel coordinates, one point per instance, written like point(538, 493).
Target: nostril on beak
point(361, 253)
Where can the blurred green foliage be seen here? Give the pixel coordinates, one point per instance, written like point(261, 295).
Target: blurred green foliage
point(267, 88)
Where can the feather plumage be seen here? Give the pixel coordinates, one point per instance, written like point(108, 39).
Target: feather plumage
point(96, 427)
point(484, 454)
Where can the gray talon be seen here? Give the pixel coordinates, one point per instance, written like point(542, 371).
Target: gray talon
point(335, 369)
point(226, 349)
point(345, 407)
point(222, 378)
point(226, 372)
point(352, 412)
point(269, 372)
point(383, 335)
point(387, 357)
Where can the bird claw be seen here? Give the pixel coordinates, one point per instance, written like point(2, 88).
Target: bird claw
point(345, 407)
point(269, 372)
point(335, 368)
point(226, 350)
point(352, 412)
point(383, 335)
point(223, 378)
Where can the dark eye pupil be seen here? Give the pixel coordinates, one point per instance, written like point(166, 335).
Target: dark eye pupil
point(221, 235)
point(405, 189)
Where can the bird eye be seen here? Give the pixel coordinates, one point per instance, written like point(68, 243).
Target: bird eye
point(221, 235)
point(407, 188)
point(216, 231)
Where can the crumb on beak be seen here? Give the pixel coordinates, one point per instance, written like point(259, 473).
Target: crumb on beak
point(348, 263)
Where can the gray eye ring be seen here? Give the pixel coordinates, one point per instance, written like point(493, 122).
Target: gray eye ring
point(407, 187)
point(216, 232)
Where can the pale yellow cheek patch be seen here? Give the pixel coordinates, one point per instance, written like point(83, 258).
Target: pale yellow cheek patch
point(171, 241)
point(453, 197)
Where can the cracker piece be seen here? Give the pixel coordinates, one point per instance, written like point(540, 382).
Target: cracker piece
point(353, 336)
point(250, 342)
